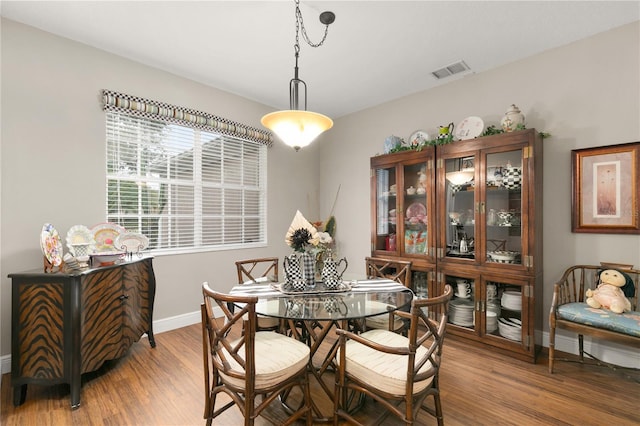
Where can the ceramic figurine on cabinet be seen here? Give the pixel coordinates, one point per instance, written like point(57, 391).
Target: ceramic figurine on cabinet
point(445, 132)
point(512, 119)
point(391, 143)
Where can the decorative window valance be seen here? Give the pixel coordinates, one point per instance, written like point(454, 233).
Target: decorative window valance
point(120, 102)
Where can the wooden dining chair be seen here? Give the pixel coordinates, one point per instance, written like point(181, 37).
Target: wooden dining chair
point(252, 369)
point(260, 270)
point(257, 270)
point(398, 372)
point(396, 270)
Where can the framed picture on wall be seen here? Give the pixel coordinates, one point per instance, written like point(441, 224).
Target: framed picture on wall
point(606, 189)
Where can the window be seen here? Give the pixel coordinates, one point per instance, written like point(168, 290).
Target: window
point(186, 188)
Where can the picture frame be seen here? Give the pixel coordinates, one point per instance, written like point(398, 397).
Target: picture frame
point(605, 189)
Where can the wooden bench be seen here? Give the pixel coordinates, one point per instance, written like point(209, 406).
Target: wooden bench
point(570, 311)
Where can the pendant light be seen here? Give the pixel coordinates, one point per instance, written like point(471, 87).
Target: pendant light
point(299, 127)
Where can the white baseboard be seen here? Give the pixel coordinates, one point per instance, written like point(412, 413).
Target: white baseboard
point(159, 326)
point(179, 321)
point(5, 364)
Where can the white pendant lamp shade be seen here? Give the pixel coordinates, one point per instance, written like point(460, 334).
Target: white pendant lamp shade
point(297, 128)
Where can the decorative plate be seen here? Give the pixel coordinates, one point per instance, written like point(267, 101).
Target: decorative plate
point(469, 128)
point(80, 241)
point(418, 137)
point(131, 242)
point(105, 235)
point(51, 245)
point(416, 211)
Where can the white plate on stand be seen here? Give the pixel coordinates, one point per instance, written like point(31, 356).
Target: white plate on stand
point(417, 138)
point(131, 242)
point(469, 128)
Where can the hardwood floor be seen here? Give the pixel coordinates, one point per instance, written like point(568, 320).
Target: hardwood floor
point(164, 386)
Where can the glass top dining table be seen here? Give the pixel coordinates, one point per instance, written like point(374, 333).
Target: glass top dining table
point(312, 314)
point(356, 299)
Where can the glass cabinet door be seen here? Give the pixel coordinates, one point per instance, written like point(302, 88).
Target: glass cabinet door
point(504, 207)
point(416, 215)
point(490, 306)
point(460, 208)
point(386, 206)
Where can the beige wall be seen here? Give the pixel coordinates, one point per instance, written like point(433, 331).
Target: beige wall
point(585, 94)
point(53, 156)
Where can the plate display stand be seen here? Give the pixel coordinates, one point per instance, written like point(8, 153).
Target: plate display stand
point(50, 268)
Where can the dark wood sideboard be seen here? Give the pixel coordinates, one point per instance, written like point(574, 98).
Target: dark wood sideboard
point(67, 324)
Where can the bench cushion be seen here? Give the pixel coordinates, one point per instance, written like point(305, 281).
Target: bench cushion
point(626, 323)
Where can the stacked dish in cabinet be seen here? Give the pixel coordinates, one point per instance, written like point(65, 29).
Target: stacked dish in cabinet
point(493, 313)
point(511, 328)
point(512, 300)
point(461, 312)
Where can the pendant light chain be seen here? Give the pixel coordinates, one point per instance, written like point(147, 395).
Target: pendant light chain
point(299, 127)
point(300, 24)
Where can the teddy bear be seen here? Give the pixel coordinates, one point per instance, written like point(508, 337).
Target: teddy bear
point(609, 294)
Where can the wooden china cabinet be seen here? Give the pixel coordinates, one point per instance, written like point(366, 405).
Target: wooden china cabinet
point(482, 232)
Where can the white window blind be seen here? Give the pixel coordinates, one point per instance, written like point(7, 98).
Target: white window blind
point(187, 189)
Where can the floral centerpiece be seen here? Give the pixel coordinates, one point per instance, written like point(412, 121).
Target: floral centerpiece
point(313, 243)
point(324, 250)
point(299, 267)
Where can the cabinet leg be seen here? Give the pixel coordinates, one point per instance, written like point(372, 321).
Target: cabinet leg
point(19, 394)
point(152, 340)
point(75, 393)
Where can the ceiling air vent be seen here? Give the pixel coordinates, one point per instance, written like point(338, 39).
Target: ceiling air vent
point(450, 70)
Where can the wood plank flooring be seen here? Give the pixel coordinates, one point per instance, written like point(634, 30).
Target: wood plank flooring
point(164, 386)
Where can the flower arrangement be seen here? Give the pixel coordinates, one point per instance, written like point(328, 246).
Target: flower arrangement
point(315, 239)
point(326, 242)
point(301, 234)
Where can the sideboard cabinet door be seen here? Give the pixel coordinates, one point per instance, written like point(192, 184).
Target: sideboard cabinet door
point(138, 293)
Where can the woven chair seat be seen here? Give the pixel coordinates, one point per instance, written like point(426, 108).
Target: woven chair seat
point(266, 322)
point(382, 322)
point(278, 357)
point(627, 322)
point(387, 371)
